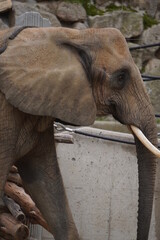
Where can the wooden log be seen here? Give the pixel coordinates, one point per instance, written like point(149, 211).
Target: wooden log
point(24, 200)
point(14, 169)
point(14, 208)
point(4, 235)
point(11, 229)
point(15, 178)
point(64, 138)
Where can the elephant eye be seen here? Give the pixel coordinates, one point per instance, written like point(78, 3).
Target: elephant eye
point(119, 78)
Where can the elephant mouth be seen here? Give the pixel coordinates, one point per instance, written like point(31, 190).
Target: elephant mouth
point(142, 138)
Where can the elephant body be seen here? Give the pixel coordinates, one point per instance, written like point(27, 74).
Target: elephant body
point(71, 75)
point(28, 139)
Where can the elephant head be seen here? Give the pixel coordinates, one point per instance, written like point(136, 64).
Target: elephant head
point(75, 75)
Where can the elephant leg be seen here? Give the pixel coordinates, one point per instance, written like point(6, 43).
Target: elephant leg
point(42, 178)
point(9, 126)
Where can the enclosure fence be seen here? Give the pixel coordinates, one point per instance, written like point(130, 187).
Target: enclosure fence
point(145, 77)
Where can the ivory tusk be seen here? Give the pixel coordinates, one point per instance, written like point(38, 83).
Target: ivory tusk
point(145, 141)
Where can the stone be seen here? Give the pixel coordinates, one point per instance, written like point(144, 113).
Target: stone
point(158, 16)
point(79, 25)
point(150, 6)
point(71, 12)
point(129, 23)
point(5, 5)
point(137, 55)
point(43, 9)
point(28, 1)
point(100, 2)
point(153, 87)
point(153, 67)
point(48, 6)
point(150, 36)
point(3, 25)
point(48, 11)
point(139, 3)
point(157, 54)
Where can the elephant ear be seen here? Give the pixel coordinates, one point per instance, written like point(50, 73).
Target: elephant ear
point(40, 77)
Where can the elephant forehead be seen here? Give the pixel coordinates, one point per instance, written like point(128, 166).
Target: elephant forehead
point(41, 78)
point(113, 51)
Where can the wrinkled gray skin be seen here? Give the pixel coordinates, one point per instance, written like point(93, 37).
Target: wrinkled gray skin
point(73, 76)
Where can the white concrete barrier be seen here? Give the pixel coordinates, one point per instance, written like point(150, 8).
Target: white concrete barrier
point(101, 181)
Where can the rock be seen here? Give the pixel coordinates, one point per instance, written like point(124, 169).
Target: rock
point(3, 25)
point(21, 8)
point(48, 6)
point(150, 36)
point(43, 9)
point(129, 23)
point(137, 55)
point(158, 16)
point(101, 2)
point(158, 53)
point(5, 5)
point(79, 25)
point(153, 68)
point(28, 1)
point(150, 6)
point(47, 11)
point(69, 12)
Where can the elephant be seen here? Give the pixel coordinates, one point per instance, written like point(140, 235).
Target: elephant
point(73, 76)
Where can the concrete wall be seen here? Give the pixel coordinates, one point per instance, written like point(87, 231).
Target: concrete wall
point(101, 182)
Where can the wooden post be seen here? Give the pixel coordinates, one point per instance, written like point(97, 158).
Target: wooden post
point(24, 200)
point(14, 169)
point(64, 138)
point(15, 178)
point(14, 208)
point(11, 229)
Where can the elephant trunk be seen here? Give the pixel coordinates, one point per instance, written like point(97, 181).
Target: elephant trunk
point(147, 173)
